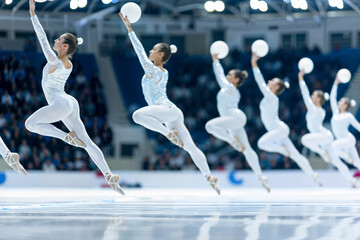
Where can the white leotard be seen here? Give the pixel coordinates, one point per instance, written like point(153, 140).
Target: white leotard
point(154, 81)
point(228, 97)
point(315, 115)
point(340, 122)
point(269, 105)
point(53, 84)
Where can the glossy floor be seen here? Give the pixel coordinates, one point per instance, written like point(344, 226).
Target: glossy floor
point(171, 214)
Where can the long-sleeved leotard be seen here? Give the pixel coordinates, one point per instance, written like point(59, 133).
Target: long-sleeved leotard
point(232, 120)
point(228, 97)
point(62, 107)
point(161, 110)
point(277, 137)
point(319, 139)
point(340, 122)
point(154, 80)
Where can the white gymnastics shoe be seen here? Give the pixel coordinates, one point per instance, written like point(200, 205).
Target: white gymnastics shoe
point(71, 139)
point(113, 180)
point(13, 160)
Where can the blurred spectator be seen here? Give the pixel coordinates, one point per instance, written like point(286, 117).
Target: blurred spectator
point(48, 166)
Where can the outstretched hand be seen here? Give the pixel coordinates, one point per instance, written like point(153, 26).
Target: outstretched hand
point(214, 57)
point(32, 7)
point(337, 81)
point(126, 22)
point(254, 59)
point(301, 75)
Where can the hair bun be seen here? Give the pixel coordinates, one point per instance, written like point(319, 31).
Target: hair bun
point(352, 103)
point(80, 40)
point(173, 48)
point(326, 96)
point(287, 84)
point(244, 74)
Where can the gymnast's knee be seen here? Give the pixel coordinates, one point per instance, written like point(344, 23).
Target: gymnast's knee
point(303, 141)
point(209, 127)
point(137, 116)
point(30, 124)
point(261, 144)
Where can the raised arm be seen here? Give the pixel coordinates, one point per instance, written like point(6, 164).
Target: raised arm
point(145, 62)
point(219, 73)
point(305, 92)
point(45, 46)
point(333, 97)
point(259, 77)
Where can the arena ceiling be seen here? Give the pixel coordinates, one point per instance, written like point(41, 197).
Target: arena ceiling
point(236, 8)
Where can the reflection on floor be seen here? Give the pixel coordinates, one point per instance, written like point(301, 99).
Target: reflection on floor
point(171, 214)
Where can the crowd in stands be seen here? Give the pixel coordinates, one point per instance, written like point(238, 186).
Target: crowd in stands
point(193, 89)
point(21, 95)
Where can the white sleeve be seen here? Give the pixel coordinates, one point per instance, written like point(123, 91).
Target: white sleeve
point(45, 46)
point(262, 84)
point(306, 95)
point(148, 66)
point(220, 75)
point(354, 122)
point(333, 100)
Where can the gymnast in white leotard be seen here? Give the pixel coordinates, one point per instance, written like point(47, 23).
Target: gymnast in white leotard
point(319, 139)
point(277, 138)
point(229, 127)
point(344, 145)
point(61, 106)
point(161, 115)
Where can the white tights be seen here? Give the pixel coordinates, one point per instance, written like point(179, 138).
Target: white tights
point(3, 148)
point(316, 141)
point(65, 109)
point(321, 142)
point(155, 116)
point(227, 128)
point(277, 140)
point(345, 145)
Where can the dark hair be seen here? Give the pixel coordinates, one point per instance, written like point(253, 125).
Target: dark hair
point(321, 95)
point(348, 102)
point(165, 48)
point(281, 85)
point(72, 41)
point(242, 75)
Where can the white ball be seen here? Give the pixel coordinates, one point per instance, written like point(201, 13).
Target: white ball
point(220, 48)
point(306, 64)
point(344, 75)
point(80, 40)
point(40, 1)
point(260, 48)
point(132, 11)
point(173, 48)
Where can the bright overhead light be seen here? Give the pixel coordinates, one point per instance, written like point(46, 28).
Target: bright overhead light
point(8, 2)
point(106, 1)
point(304, 5)
point(332, 3)
point(263, 6)
point(254, 4)
point(82, 3)
point(295, 3)
point(74, 4)
point(209, 6)
point(340, 4)
point(219, 6)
